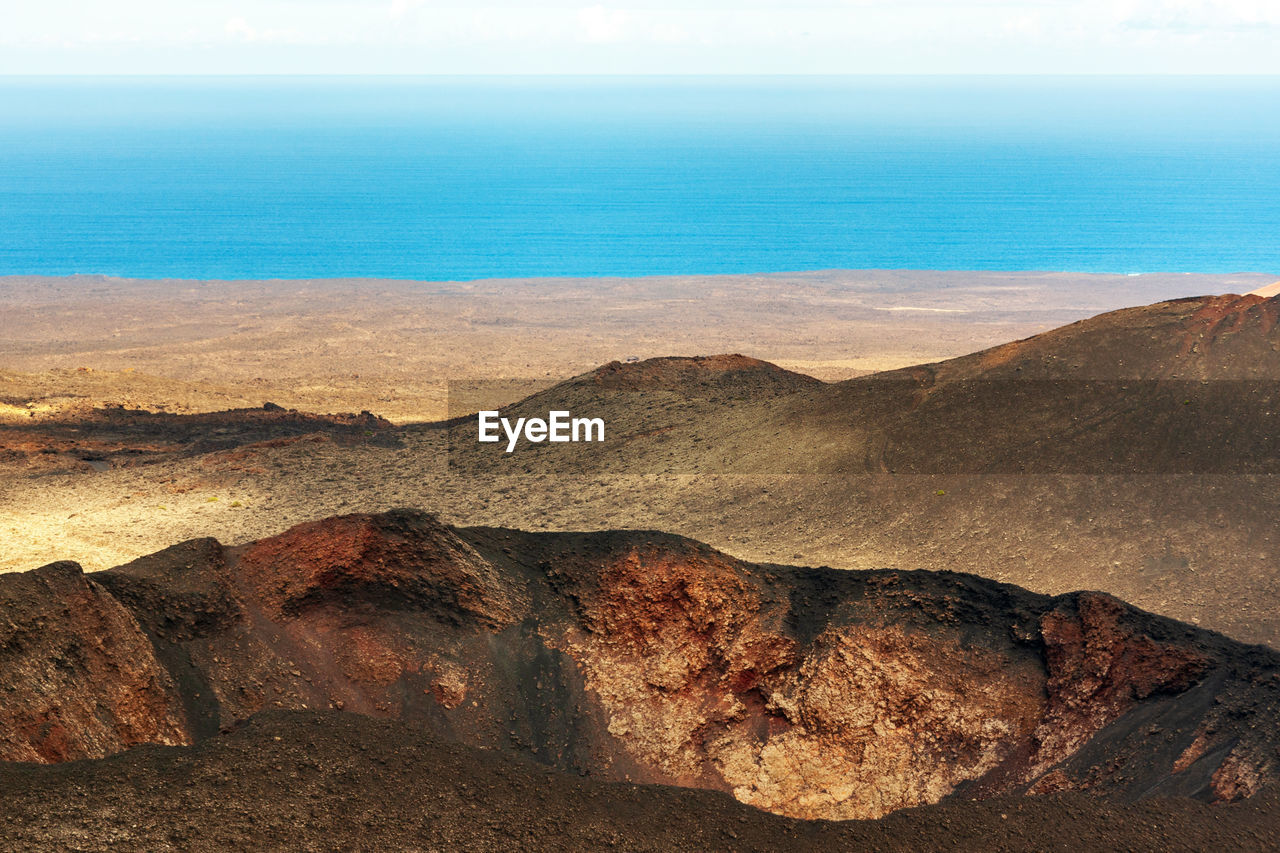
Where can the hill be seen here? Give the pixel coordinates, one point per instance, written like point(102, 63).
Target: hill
point(642, 657)
point(1134, 453)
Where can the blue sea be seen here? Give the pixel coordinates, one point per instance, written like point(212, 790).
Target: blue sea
point(464, 178)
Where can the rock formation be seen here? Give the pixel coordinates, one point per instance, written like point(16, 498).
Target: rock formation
point(641, 656)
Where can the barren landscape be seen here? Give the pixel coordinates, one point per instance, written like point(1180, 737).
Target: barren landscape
point(623, 657)
point(772, 466)
point(723, 595)
point(393, 346)
point(75, 348)
point(324, 780)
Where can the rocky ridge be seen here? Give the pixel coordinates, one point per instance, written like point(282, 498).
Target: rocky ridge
point(643, 657)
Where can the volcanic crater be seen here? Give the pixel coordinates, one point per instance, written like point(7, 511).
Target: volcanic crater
point(644, 657)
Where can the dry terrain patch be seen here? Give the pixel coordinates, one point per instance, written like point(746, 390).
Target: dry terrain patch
point(1155, 538)
point(391, 347)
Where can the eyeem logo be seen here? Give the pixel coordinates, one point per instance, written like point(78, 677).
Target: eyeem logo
point(558, 426)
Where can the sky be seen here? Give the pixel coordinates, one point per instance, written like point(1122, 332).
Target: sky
point(639, 37)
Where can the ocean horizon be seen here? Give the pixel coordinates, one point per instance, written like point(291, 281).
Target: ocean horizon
point(470, 178)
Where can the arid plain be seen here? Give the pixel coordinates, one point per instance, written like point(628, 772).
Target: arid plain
point(76, 345)
point(1108, 434)
point(392, 346)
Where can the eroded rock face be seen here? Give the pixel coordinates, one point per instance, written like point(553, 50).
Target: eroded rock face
point(701, 680)
point(394, 560)
point(807, 692)
point(79, 676)
point(679, 649)
point(881, 718)
point(1099, 667)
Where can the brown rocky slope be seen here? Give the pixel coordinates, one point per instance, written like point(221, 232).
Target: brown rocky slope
point(305, 780)
point(1189, 386)
point(642, 657)
point(1136, 452)
point(120, 437)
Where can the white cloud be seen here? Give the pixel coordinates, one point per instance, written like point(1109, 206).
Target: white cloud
point(602, 26)
point(1202, 17)
point(400, 8)
point(238, 27)
point(693, 36)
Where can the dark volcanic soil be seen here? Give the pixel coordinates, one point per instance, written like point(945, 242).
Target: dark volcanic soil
point(518, 681)
point(104, 438)
point(1137, 452)
point(639, 656)
point(333, 781)
point(1184, 387)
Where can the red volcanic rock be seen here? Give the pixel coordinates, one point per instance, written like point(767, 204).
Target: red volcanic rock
point(644, 657)
point(391, 560)
point(738, 373)
point(1099, 667)
point(80, 678)
point(302, 780)
point(1221, 316)
point(1239, 776)
point(1201, 337)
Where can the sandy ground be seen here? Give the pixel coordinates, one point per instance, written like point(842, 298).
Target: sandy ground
point(393, 347)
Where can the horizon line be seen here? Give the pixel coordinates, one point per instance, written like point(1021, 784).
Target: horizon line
point(656, 75)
